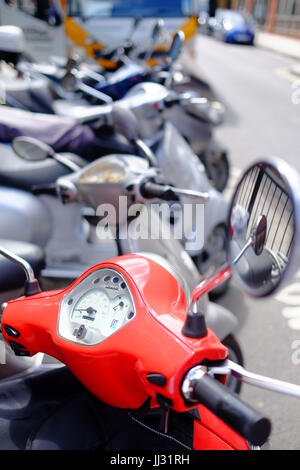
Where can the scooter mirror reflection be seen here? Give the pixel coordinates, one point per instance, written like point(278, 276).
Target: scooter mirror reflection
point(176, 45)
point(72, 63)
point(156, 31)
point(69, 82)
point(31, 149)
point(263, 225)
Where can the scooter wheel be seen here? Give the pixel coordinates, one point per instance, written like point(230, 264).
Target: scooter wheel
point(217, 169)
point(235, 355)
point(219, 291)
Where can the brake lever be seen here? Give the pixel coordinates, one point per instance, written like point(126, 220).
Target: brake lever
point(190, 193)
point(257, 380)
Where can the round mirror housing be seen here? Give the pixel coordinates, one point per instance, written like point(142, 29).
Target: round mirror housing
point(264, 226)
point(31, 149)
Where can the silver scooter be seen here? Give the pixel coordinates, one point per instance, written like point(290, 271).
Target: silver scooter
point(142, 120)
point(192, 114)
point(173, 155)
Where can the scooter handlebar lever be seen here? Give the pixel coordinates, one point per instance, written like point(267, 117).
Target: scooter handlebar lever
point(150, 190)
point(244, 419)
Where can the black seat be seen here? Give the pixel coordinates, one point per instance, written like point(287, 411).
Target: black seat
point(18, 173)
point(12, 276)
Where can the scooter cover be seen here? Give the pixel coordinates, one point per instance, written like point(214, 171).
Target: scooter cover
point(62, 134)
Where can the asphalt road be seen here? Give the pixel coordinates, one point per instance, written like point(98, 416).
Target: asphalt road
point(256, 87)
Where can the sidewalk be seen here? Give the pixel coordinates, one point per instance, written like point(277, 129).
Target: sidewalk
point(281, 44)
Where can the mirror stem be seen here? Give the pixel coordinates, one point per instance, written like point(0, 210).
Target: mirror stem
point(16, 259)
point(66, 162)
point(244, 249)
point(210, 283)
point(31, 286)
point(146, 151)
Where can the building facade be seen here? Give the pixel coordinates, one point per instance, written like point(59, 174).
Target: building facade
point(278, 16)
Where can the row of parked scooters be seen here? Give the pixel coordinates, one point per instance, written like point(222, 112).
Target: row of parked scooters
point(74, 137)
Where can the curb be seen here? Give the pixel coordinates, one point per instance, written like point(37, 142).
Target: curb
point(295, 70)
point(284, 51)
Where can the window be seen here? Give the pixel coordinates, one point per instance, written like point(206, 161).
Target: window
point(45, 10)
point(135, 8)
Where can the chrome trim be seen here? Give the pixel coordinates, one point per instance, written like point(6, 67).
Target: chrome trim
point(20, 261)
point(291, 179)
point(194, 374)
point(257, 380)
point(86, 284)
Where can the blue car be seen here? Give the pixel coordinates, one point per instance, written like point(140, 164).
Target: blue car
point(233, 26)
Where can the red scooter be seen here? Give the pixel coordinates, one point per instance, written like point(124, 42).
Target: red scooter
point(128, 333)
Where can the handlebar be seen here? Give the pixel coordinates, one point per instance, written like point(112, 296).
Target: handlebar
point(150, 190)
point(47, 189)
point(241, 417)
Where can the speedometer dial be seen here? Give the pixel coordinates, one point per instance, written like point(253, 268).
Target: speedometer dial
point(96, 308)
point(119, 308)
point(92, 308)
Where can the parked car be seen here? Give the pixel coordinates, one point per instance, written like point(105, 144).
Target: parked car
point(233, 26)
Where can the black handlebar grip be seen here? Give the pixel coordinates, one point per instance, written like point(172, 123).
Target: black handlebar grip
point(244, 419)
point(172, 101)
point(151, 190)
point(49, 189)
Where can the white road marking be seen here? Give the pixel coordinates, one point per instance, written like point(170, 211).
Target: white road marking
point(290, 297)
point(286, 74)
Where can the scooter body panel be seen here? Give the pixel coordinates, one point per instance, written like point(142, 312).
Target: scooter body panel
point(71, 248)
point(184, 169)
point(196, 132)
point(210, 433)
point(26, 218)
point(123, 352)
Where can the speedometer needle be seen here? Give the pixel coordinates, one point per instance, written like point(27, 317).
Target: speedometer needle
point(121, 304)
point(89, 310)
